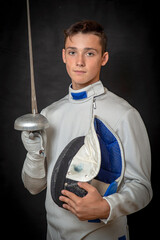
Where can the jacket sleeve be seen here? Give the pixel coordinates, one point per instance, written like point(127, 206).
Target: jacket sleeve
point(135, 192)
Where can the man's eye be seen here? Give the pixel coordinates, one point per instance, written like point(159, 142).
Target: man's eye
point(71, 53)
point(90, 54)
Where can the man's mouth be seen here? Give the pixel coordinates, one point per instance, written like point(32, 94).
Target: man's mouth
point(79, 71)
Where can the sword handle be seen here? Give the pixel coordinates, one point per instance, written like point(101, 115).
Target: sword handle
point(31, 135)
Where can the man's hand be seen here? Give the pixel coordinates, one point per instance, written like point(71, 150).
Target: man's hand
point(90, 207)
point(34, 165)
point(36, 144)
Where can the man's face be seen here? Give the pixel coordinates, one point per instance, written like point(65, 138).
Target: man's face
point(83, 58)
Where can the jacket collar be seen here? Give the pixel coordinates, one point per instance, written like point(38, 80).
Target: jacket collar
point(84, 94)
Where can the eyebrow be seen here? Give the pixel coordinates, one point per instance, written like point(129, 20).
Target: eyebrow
point(87, 49)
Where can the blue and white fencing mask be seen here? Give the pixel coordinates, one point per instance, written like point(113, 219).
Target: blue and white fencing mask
point(96, 158)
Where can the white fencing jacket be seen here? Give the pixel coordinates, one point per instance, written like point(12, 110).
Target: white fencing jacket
point(71, 117)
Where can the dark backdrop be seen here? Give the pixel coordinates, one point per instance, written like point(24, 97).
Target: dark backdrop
point(132, 73)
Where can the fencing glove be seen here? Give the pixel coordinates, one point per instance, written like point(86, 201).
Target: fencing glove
point(35, 146)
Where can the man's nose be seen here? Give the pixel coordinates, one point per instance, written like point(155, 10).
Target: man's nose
point(80, 62)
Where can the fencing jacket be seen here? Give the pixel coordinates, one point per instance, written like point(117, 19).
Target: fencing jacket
point(71, 117)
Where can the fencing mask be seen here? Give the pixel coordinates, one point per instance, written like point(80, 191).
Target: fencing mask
point(96, 158)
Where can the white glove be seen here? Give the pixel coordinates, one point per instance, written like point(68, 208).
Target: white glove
point(36, 144)
point(34, 163)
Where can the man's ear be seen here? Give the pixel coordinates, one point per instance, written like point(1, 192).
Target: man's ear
point(105, 58)
point(64, 55)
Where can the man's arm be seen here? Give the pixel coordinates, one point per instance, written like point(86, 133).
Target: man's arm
point(34, 169)
point(135, 191)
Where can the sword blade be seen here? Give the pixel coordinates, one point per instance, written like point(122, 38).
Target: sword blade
point(35, 121)
point(33, 91)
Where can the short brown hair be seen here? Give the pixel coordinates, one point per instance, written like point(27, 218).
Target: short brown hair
point(87, 26)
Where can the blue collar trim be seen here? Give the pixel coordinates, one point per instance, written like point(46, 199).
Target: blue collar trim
point(80, 95)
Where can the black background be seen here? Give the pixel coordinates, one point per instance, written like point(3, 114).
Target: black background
point(132, 73)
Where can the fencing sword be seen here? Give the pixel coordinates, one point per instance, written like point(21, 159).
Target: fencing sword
point(33, 121)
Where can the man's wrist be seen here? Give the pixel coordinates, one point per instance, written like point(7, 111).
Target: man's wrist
point(105, 207)
point(34, 166)
point(35, 156)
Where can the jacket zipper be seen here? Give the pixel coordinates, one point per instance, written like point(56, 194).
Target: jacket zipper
point(94, 103)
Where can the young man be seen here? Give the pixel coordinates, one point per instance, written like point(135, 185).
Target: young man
point(84, 54)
